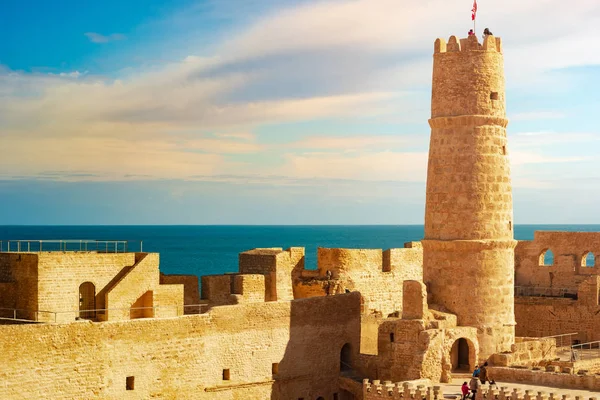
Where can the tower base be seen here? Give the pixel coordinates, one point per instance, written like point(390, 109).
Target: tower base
point(474, 279)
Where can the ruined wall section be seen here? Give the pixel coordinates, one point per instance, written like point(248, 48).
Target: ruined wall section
point(186, 357)
point(568, 267)
point(547, 316)
point(378, 275)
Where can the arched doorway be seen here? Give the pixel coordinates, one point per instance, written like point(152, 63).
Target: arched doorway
point(87, 300)
point(346, 358)
point(460, 356)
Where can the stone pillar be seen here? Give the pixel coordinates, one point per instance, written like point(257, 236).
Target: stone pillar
point(468, 250)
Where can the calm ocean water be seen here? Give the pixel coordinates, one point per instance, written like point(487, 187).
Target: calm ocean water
point(204, 250)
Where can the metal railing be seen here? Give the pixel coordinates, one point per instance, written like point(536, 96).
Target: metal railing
point(98, 314)
point(99, 246)
point(537, 291)
point(563, 343)
point(18, 314)
point(585, 351)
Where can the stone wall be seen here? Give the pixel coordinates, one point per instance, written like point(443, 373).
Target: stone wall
point(547, 316)
point(191, 291)
point(277, 265)
point(527, 352)
point(274, 350)
point(22, 269)
point(61, 274)
point(378, 275)
point(543, 378)
point(569, 267)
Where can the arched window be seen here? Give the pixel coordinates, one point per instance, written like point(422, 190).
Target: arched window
point(588, 260)
point(87, 300)
point(346, 358)
point(547, 258)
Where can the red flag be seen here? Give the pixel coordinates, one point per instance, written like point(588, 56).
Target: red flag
point(474, 10)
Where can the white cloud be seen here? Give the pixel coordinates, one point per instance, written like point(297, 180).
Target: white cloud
point(344, 60)
point(98, 38)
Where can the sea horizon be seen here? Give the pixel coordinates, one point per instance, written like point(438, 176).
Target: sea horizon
point(214, 249)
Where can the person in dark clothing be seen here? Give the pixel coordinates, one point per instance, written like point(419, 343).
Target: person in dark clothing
point(471, 33)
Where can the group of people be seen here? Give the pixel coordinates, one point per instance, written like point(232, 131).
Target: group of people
point(480, 377)
point(486, 32)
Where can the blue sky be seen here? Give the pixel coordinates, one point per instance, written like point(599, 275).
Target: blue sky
point(276, 112)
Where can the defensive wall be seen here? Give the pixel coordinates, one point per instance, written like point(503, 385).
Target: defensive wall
point(56, 286)
point(377, 274)
point(557, 285)
point(267, 350)
point(423, 344)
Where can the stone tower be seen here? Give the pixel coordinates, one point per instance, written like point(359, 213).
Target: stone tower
point(468, 250)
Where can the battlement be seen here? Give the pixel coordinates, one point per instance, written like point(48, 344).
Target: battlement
point(471, 43)
point(417, 389)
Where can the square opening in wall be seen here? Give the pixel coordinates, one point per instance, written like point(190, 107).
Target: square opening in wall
point(392, 337)
point(275, 368)
point(226, 375)
point(494, 96)
point(130, 382)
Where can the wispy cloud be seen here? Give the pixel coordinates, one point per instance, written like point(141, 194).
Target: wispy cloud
point(99, 38)
point(204, 115)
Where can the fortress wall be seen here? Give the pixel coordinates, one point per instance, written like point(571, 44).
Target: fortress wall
point(22, 269)
point(216, 289)
point(378, 275)
point(61, 274)
point(185, 357)
point(568, 269)
point(136, 288)
point(191, 292)
point(542, 378)
point(249, 288)
point(538, 317)
point(277, 265)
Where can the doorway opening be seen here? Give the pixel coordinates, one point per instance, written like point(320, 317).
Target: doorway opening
point(87, 300)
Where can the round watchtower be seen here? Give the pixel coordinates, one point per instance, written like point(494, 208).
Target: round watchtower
point(468, 250)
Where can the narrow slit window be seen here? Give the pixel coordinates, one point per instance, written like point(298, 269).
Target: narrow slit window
point(392, 337)
point(130, 382)
point(226, 375)
point(275, 368)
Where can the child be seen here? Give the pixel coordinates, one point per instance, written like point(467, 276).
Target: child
point(465, 390)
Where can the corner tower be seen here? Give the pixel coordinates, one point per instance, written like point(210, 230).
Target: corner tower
point(468, 250)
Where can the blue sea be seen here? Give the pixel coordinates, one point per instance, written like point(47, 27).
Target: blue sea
point(205, 250)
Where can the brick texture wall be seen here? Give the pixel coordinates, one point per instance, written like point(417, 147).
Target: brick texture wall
point(184, 357)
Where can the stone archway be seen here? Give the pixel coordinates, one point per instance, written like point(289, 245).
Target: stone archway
point(461, 357)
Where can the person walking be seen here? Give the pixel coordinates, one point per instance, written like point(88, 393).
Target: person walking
point(474, 385)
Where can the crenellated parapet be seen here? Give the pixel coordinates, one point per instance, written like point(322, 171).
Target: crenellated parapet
point(455, 45)
point(505, 392)
point(410, 390)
